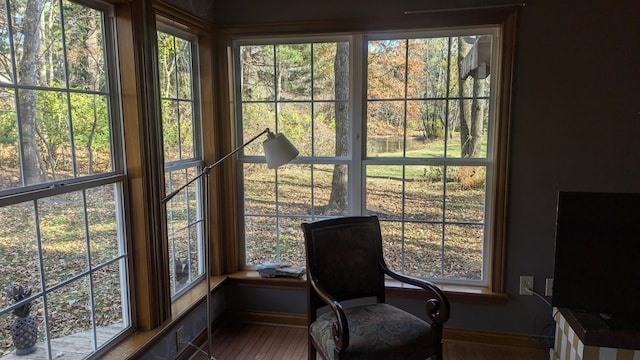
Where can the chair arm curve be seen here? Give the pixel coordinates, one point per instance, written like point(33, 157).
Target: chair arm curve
point(438, 307)
point(340, 328)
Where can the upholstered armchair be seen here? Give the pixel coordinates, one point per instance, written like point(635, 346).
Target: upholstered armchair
point(347, 314)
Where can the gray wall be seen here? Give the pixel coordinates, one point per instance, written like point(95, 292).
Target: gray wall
point(194, 323)
point(575, 126)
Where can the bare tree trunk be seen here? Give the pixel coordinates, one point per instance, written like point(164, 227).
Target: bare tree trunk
point(93, 63)
point(338, 200)
point(477, 111)
point(464, 124)
point(28, 75)
point(471, 125)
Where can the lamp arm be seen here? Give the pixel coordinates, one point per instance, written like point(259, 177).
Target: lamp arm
point(207, 169)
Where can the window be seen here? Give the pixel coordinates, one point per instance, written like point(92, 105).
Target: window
point(182, 155)
point(405, 130)
point(289, 88)
point(62, 177)
point(428, 156)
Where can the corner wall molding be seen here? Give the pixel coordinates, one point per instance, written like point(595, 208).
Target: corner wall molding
point(485, 7)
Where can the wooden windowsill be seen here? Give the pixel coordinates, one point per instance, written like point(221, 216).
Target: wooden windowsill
point(252, 278)
point(138, 342)
point(456, 293)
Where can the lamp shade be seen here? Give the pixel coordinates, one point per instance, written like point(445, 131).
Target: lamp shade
point(278, 150)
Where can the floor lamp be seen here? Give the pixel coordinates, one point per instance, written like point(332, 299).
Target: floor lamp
point(277, 151)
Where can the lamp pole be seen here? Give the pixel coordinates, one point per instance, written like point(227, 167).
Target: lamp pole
point(279, 148)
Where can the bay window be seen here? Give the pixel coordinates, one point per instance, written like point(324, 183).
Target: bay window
point(402, 125)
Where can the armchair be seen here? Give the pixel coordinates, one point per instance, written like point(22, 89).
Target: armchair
point(346, 274)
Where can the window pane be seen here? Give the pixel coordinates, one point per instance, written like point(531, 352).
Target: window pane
point(259, 189)
point(63, 237)
point(466, 194)
point(171, 130)
point(463, 252)
point(427, 68)
point(423, 193)
point(426, 122)
point(6, 72)
point(423, 249)
point(256, 117)
point(83, 33)
point(71, 304)
point(53, 137)
point(19, 248)
point(179, 244)
point(330, 59)
point(293, 71)
point(330, 194)
point(292, 250)
point(48, 54)
point(384, 191)
point(258, 72)
point(183, 69)
point(91, 134)
point(324, 131)
point(294, 190)
point(166, 65)
point(10, 169)
point(294, 120)
point(387, 70)
point(385, 128)
point(103, 224)
point(471, 140)
point(260, 239)
point(186, 130)
point(108, 301)
point(392, 246)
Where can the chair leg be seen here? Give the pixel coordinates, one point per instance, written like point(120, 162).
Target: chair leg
point(437, 355)
point(311, 352)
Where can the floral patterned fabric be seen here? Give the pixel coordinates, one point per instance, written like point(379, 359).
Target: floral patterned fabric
point(377, 331)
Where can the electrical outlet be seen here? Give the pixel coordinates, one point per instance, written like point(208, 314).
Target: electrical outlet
point(548, 287)
point(526, 282)
point(181, 338)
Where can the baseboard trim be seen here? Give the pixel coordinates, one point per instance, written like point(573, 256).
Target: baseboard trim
point(270, 318)
point(449, 334)
point(491, 338)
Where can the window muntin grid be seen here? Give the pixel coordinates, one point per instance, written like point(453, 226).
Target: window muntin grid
point(426, 215)
point(177, 58)
point(436, 192)
point(295, 96)
point(62, 197)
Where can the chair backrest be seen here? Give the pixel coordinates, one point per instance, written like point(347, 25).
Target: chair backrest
point(344, 256)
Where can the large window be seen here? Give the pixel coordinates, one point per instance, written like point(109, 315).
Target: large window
point(404, 130)
point(62, 179)
point(177, 54)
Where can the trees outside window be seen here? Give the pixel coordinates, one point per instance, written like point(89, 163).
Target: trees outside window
point(177, 56)
point(61, 173)
point(412, 143)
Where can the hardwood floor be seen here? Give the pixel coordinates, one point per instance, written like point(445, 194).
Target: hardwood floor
point(271, 342)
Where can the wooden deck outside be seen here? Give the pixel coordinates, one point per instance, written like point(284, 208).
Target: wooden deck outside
point(72, 347)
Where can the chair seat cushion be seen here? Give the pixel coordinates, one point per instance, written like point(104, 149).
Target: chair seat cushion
point(376, 331)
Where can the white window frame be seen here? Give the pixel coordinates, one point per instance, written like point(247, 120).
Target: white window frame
point(79, 184)
point(196, 164)
point(356, 159)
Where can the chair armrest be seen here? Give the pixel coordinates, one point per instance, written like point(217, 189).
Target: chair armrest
point(340, 328)
point(438, 307)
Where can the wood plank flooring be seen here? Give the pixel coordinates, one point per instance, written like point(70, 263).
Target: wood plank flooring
point(272, 342)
